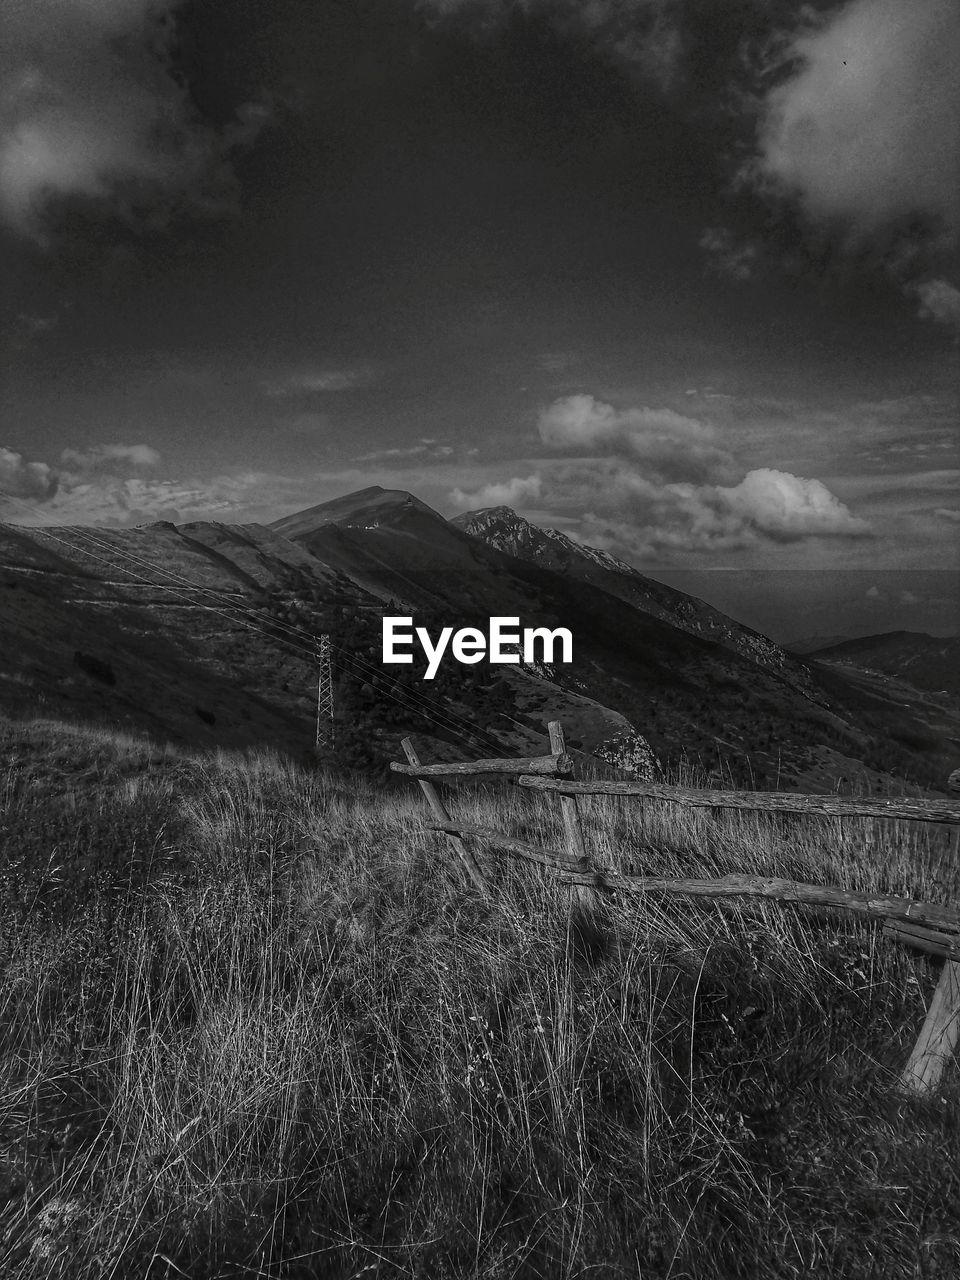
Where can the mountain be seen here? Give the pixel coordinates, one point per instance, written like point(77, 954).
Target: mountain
point(502, 528)
point(810, 644)
point(368, 508)
point(690, 680)
point(924, 661)
point(205, 634)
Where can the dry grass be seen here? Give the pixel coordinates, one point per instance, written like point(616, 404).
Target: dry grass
point(252, 1024)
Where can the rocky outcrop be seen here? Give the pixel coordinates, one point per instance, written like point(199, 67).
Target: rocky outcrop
point(632, 753)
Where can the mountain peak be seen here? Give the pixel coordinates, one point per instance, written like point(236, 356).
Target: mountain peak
point(365, 509)
point(503, 528)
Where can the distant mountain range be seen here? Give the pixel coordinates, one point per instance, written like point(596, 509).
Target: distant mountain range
point(924, 661)
point(810, 644)
point(205, 633)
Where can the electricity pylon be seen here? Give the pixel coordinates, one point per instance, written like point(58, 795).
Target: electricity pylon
point(324, 694)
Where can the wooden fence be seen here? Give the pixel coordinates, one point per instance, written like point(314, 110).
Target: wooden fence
point(927, 926)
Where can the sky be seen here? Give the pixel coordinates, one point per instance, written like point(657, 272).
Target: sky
point(678, 277)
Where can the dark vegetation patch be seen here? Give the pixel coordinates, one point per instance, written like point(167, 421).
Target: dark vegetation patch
point(95, 667)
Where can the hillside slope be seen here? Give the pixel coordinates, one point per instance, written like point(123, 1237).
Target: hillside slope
point(159, 628)
point(926, 662)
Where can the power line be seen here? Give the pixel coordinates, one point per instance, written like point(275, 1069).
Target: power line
point(220, 596)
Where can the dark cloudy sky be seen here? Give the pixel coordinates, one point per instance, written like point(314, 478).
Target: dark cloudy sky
point(680, 277)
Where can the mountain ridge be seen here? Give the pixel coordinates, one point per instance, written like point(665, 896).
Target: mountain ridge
point(206, 633)
point(503, 528)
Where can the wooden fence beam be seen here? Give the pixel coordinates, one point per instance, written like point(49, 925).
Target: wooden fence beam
point(559, 764)
point(439, 810)
point(795, 891)
point(877, 906)
point(938, 1037)
point(933, 941)
point(945, 811)
point(560, 862)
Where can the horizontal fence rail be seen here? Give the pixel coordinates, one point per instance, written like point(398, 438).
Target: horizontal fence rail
point(932, 941)
point(731, 886)
point(903, 807)
point(560, 764)
point(930, 927)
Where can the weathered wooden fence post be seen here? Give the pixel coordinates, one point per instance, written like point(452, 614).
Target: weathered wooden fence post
point(583, 895)
point(439, 810)
point(939, 1035)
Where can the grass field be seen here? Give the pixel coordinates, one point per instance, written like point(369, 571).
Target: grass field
point(253, 1024)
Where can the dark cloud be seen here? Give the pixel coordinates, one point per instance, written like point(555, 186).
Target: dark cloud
point(92, 107)
point(644, 36)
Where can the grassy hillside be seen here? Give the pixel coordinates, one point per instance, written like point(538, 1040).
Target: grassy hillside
point(253, 1025)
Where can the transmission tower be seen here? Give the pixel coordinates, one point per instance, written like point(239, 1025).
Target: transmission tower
point(324, 694)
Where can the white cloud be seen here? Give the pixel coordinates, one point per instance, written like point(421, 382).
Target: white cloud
point(786, 507)
point(307, 382)
point(28, 480)
point(728, 256)
point(511, 493)
point(115, 500)
point(425, 449)
point(656, 481)
point(669, 444)
point(939, 300)
point(866, 129)
point(557, 361)
point(110, 458)
point(948, 513)
point(91, 107)
point(634, 515)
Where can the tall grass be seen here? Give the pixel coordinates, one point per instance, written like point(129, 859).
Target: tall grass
point(253, 1024)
